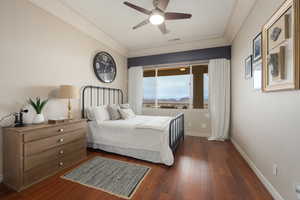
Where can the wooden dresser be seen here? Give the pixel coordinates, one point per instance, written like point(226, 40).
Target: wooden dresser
point(35, 152)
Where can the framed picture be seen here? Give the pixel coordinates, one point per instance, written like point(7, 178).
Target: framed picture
point(257, 49)
point(281, 48)
point(248, 67)
point(257, 75)
point(105, 67)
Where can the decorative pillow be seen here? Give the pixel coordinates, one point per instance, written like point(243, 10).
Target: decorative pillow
point(89, 114)
point(99, 114)
point(127, 113)
point(125, 106)
point(114, 112)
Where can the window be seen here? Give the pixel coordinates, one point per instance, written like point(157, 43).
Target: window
point(149, 91)
point(173, 90)
point(183, 87)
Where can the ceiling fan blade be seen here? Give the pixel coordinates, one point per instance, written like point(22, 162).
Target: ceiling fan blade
point(175, 16)
point(143, 23)
point(161, 4)
point(140, 9)
point(162, 27)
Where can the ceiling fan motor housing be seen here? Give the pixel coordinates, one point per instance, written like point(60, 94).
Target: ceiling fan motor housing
point(155, 3)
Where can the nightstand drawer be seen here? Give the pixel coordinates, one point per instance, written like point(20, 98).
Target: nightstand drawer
point(51, 167)
point(53, 131)
point(51, 142)
point(53, 154)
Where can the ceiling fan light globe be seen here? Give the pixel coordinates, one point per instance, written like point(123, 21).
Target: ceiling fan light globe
point(156, 19)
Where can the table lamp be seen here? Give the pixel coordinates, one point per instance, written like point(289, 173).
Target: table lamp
point(68, 92)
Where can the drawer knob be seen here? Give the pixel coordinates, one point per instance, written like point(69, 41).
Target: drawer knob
point(61, 152)
point(61, 140)
point(61, 130)
point(61, 163)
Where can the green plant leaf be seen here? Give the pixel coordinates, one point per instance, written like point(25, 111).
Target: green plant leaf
point(38, 102)
point(32, 103)
point(43, 104)
point(38, 105)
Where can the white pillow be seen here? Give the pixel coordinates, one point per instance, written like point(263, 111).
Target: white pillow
point(89, 114)
point(127, 113)
point(99, 113)
point(114, 111)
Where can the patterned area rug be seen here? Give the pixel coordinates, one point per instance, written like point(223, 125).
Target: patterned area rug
point(115, 177)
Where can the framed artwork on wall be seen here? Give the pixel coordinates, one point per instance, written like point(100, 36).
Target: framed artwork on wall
point(257, 74)
point(105, 67)
point(281, 48)
point(257, 47)
point(248, 67)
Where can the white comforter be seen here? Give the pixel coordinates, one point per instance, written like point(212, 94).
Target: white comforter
point(142, 132)
point(155, 123)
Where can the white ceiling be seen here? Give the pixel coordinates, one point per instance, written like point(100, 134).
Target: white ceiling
point(207, 27)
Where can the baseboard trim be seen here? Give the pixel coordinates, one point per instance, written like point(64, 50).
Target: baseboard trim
point(197, 134)
point(275, 194)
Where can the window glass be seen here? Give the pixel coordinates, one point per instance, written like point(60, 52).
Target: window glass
point(205, 90)
point(173, 91)
point(149, 91)
point(181, 87)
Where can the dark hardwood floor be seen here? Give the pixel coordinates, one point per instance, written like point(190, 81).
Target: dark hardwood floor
point(203, 170)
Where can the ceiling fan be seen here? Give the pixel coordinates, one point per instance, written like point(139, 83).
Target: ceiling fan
point(158, 15)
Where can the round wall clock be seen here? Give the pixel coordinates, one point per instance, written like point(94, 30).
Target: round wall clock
point(105, 67)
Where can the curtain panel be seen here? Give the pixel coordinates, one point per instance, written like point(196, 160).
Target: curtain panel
point(219, 98)
point(135, 89)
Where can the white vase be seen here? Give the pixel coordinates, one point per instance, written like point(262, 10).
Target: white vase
point(38, 119)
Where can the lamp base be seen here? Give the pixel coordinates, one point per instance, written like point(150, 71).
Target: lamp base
point(69, 110)
point(70, 116)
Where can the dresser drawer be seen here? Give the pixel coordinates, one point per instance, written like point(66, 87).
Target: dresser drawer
point(51, 167)
point(53, 154)
point(38, 146)
point(53, 131)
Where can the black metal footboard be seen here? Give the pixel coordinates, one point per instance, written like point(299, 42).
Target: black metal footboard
point(176, 131)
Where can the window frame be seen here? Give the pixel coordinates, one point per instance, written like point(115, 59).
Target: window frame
point(191, 84)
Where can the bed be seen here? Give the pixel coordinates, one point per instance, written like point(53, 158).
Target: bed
point(150, 138)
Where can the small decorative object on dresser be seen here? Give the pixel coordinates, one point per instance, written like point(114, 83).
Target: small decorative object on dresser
point(105, 67)
point(38, 106)
point(35, 152)
point(68, 92)
point(57, 121)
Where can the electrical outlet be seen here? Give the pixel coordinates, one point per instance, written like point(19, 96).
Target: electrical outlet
point(275, 169)
point(189, 124)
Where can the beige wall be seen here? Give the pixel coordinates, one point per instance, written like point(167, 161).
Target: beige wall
point(265, 125)
point(197, 122)
point(39, 52)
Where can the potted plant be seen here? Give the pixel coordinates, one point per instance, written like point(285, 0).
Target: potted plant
point(38, 106)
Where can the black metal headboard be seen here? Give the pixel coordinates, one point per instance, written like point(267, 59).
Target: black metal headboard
point(96, 96)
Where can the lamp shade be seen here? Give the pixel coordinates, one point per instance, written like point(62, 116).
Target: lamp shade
point(68, 92)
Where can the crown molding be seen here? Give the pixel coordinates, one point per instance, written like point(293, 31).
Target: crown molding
point(68, 15)
point(200, 44)
point(239, 15)
point(57, 8)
